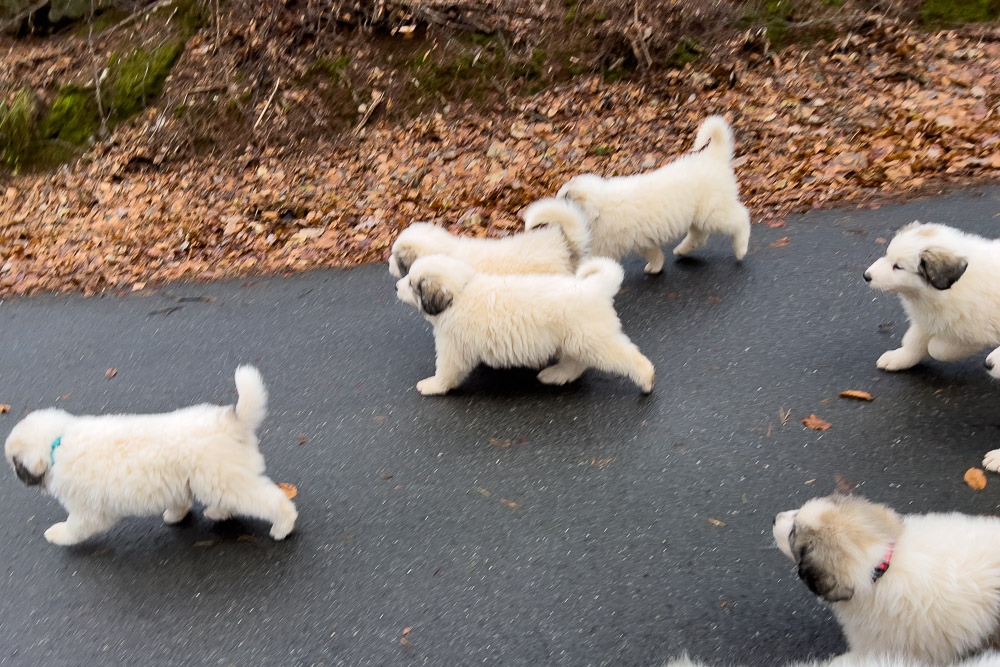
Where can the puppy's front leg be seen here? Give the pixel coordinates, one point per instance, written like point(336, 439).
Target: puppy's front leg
point(451, 369)
point(77, 528)
point(911, 353)
point(654, 259)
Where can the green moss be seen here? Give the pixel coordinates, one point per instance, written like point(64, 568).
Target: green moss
point(571, 10)
point(775, 16)
point(687, 51)
point(937, 13)
point(332, 68)
point(17, 124)
point(73, 117)
point(600, 149)
point(135, 78)
point(180, 110)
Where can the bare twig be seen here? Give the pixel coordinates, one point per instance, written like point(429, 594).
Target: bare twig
point(268, 103)
point(134, 17)
point(379, 96)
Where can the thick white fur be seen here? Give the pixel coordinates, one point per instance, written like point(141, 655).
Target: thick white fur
point(946, 324)
point(557, 248)
point(114, 466)
point(989, 659)
point(938, 601)
point(696, 195)
point(522, 321)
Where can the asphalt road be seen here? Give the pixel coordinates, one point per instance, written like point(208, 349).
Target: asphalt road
point(507, 523)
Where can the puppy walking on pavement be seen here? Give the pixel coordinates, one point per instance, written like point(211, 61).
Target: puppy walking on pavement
point(522, 321)
point(695, 195)
point(105, 468)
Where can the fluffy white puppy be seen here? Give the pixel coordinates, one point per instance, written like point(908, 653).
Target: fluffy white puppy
point(924, 588)
point(522, 321)
point(988, 659)
point(949, 283)
point(697, 195)
point(104, 468)
point(552, 245)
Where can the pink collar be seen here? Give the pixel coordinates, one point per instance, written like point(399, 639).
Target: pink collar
point(883, 564)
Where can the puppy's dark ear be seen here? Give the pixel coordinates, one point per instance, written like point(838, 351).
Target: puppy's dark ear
point(816, 571)
point(434, 298)
point(941, 267)
point(405, 257)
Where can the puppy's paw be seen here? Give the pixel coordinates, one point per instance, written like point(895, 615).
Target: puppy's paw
point(896, 360)
point(992, 460)
point(431, 387)
point(558, 375)
point(281, 528)
point(60, 534)
point(215, 513)
point(175, 514)
point(654, 268)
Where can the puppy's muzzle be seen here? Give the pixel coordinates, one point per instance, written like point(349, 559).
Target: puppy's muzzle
point(988, 363)
point(26, 476)
point(868, 277)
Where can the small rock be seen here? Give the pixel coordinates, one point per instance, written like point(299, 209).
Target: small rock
point(945, 121)
point(496, 149)
point(978, 91)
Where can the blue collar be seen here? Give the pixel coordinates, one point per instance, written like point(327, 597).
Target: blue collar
point(52, 454)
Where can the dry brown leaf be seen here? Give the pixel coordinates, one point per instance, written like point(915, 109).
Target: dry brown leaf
point(302, 439)
point(780, 243)
point(288, 489)
point(716, 522)
point(510, 503)
point(975, 478)
point(856, 393)
point(406, 630)
point(4, 408)
point(110, 373)
point(503, 443)
point(775, 223)
point(843, 484)
point(815, 423)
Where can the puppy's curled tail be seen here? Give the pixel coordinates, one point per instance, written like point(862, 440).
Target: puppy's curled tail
point(251, 407)
point(567, 215)
point(716, 130)
point(603, 273)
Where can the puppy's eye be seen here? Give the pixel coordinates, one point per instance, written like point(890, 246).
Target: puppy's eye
point(791, 534)
point(897, 267)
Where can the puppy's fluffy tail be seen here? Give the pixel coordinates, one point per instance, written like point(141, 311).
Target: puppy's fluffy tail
point(603, 273)
point(567, 215)
point(251, 407)
point(715, 132)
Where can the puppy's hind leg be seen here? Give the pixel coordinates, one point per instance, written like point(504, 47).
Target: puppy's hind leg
point(739, 226)
point(177, 513)
point(260, 498)
point(654, 259)
point(78, 527)
point(565, 371)
point(620, 355)
point(695, 239)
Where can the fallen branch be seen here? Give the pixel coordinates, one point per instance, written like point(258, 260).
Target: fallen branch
point(369, 111)
point(268, 103)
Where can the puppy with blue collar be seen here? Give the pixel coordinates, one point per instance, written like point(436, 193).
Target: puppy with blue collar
point(102, 469)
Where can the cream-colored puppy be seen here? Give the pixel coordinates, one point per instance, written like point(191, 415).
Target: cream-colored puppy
point(550, 246)
point(949, 283)
point(921, 587)
point(522, 321)
point(104, 468)
point(992, 459)
point(696, 195)
point(988, 659)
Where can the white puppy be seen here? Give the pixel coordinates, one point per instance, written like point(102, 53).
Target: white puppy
point(949, 283)
point(511, 321)
point(921, 587)
point(697, 195)
point(104, 468)
point(988, 659)
point(554, 245)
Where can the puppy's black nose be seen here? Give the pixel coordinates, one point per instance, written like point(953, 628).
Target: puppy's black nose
point(774, 521)
point(868, 277)
point(988, 363)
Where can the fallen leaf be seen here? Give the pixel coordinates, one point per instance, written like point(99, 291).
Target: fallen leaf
point(723, 605)
point(975, 478)
point(815, 423)
point(206, 544)
point(714, 300)
point(65, 396)
point(302, 439)
point(855, 393)
point(810, 481)
point(110, 373)
point(380, 418)
point(780, 243)
point(385, 476)
point(406, 631)
point(785, 415)
point(510, 503)
point(880, 241)
point(775, 223)
point(397, 487)
point(404, 641)
point(843, 485)
point(4, 408)
point(716, 522)
point(288, 489)
point(246, 538)
point(503, 443)
point(482, 491)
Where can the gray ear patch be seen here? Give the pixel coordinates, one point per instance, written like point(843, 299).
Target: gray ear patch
point(941, 267)
point(404, 260)
point(816, 572)
point(434, 299)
